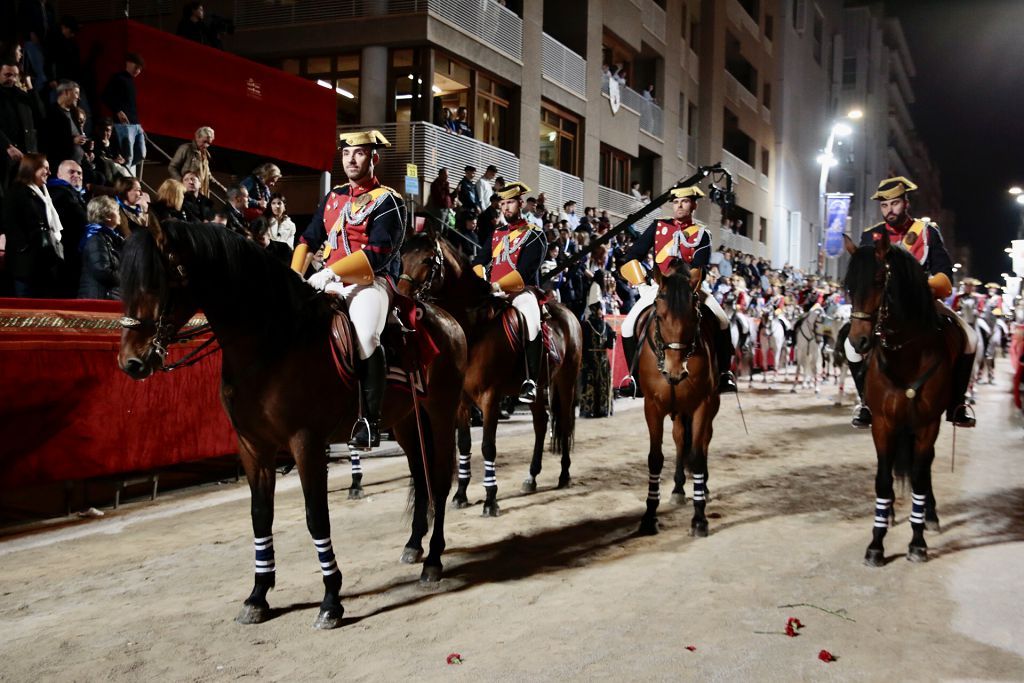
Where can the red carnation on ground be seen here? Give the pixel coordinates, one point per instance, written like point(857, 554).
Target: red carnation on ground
point(794, 622)
point(454, 658)
point(826, 656)
point(790, 631)
point(691, 648)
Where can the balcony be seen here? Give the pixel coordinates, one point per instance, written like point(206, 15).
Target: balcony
point(738, 93)
point(493, 25)
point(762, 181)
point(560, 187)
point(617, 204)
point(431, 148)
point(731, 240)
point(651, 115)
point(653, 19)
point(681, 144)
point(693, 65)
point(739, 16)
point(766, 114)
point(737, 166)
point(563, 66)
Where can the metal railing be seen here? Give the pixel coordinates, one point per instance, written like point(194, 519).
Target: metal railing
point(560, 187)
point(432, 148)
point(651, 115)
point(653, 19)
point(498, 27)
point(731, 240)
point(739, 15)
point(737, 166)
point(561, 65)
point(681, 143)
point(738, 93)
point(618, 204)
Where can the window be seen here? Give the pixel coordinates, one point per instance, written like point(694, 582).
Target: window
point(684, 22)
point(339, 73)
point(818, 33)
point(736, 142)
point(615, 168)
point(737, 65)
point(492, 103)
point(695, 36)
point(769, 27)
point(740, 220)
point(410, 100)
point(762, 235)
point(799, 9)
point(559, 139)
point(617, 53)
point(766, 96)
point(753, 8)
point(849, 71)
point(765, 160)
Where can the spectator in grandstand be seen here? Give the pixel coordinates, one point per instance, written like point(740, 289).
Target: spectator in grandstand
point(170, 198)
point(193, 23)
point(197, 207)
point(462, 126)
point(63, 133)
point(35, 17)
point(109, 160)
point(530, 214)
point(568, 214)
point(259, 230)
point(281, 227)
point(194, 156)
point(67, 192)
point(468, 241)
point(448, 121)
point(119, 96)
point(260, 185)
point(439, 200)
point(65, 57)
point(487, 223)
point(466, 191)
point(134, 205)
point(33, 230)
point(485, 187)
point(234, 212)
point(100, 249)
point(20, 115)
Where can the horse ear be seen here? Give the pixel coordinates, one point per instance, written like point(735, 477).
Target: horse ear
point(158, 232)
point(696, 277)
point(431, 228)
point(851, 247)
point(656, 274)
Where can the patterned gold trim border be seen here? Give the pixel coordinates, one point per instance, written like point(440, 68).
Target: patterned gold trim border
point(71, 321)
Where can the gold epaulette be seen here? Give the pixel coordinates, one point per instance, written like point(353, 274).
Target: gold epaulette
point(377, 191)
point(873, 227)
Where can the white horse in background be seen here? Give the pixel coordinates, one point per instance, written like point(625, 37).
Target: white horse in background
point(772, 340)
point(808, 349)
point(742, 332)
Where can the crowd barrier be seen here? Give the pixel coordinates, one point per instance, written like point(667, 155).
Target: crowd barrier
point(67, 412)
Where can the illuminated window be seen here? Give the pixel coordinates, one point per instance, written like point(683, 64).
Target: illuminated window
point(559, 135)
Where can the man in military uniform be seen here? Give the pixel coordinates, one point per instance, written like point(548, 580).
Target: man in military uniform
point(924, 242)
point(517, 250)
point(360, 227)
point(678, 238)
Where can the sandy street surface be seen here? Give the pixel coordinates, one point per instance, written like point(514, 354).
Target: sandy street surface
point(559, 587)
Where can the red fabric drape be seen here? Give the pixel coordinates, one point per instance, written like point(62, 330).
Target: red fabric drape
point(68, 412)
point(185, 85)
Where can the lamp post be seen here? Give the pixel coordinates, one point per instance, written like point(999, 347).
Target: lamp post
point(841, 128)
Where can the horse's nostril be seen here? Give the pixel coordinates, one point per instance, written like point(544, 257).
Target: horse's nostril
point(134, 367)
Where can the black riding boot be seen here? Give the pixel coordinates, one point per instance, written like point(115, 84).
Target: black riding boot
point(366, 434)
point(630, 350)
point(528, 393)
point(725, 351)
point(958, 413)
point(861, 414)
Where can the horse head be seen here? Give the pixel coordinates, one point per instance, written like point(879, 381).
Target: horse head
point(427, 262)
point(866, 280)
point(156, 301)
point(677, 320)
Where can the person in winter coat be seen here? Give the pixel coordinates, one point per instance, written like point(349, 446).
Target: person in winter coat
point(101, 251)
point(33, 229)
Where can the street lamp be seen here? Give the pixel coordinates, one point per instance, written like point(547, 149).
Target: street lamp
point(1020, 199)
point(1015, 190)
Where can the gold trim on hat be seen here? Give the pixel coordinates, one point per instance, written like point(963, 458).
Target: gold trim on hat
point(513, 190)
point(692, 191)
point(372, 138)
point(891, 188)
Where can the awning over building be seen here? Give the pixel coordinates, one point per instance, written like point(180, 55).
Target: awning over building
point(253, 108)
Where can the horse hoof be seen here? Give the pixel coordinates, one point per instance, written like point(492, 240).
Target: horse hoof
point(253, 614)
point(678, 499)
point(648, 526)
point(699, 530)
point(459, 501)
point(412, 556)
point(932, 525)
point(530, 485)
point(490, 510)
point(793, 390)
point(874, 558)
point(564, 482)
point(917, 554)
point(329, 618)
point(430, 576)
point(355, 494)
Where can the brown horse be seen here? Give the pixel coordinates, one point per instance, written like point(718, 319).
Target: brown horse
point(908, 383)
point(280, 386)
point(434, 270)
point(679, 378)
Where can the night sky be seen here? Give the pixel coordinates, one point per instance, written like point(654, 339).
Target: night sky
point(969, 56)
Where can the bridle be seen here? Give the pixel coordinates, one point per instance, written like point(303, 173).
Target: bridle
point(436, 272)
point(165, 332)
point(660, 347)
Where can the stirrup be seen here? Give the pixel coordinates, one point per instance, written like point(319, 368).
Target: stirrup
point(629, 381)
point(858, 420)
point(727, 383)
point(969, 420)
point(356, 440)
point(528, 392)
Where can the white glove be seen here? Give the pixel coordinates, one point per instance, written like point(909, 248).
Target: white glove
point(319, 281)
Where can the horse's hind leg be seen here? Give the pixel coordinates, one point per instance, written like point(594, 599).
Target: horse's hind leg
point(655, 461)
point(440, 448)
point(702, 431)
point(313, 473)
point(920, 481)
point(465, 445)
point(260, 472)
point(408, 437)
point(564, 413)
point(355, 491)
point(489, 404)
point(682, 435)
point(539, 409)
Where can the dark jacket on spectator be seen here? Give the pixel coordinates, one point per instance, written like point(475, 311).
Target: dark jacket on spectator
point(237, 222)
point(165, 212)
point(132, 219)
point(101, 263)
point(197, 208)
point(61, 130)
point(65, 58)
point(193, 30)
point(20, 117)
point(71, 207)
point(467, 193)
point(119, 95)
point(30, 255)
point(257, 190)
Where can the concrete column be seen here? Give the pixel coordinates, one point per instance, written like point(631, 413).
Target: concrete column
point(373, 85)
point(530, 96)
point(591, 167)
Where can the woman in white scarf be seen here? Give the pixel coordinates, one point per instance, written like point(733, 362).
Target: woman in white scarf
point(33, 229)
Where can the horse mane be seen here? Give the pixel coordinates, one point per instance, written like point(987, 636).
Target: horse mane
point(474, 288)
point(909, 298)
point(229, 273)
point(678, 293)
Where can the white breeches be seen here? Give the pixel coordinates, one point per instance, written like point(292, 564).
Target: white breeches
point(712, 305)
point(368, 309)
point(648, 293)
point(526, 303)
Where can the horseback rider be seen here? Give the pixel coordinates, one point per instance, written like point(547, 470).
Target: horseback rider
point(360, 226)
point(924, 242)
point(517, 250)
point(677, 238)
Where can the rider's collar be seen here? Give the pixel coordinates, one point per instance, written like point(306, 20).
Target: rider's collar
point(356, 190)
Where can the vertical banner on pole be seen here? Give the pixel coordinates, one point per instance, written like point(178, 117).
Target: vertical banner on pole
point(837, 208)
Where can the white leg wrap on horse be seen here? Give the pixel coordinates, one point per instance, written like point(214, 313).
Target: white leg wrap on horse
point(490, 478)
point(882, 508)
point(464, 468)
point(264, 548)
point(648, 293)
point(716, 308)
point(917, 509)
point(526, 303)
point(356, 460)
point(368, 308)
point(851, 353)
point(699, 491)
point(654, 487)
point(325, 553)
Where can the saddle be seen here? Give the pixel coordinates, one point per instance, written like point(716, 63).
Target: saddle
point(408, 346)
point(513, 324)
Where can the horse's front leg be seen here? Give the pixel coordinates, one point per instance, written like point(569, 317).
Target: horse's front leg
point(921, 485)
point(489, 405)
point(702, 432)
point(355, 491)
point(313, 474)
point(655, 461)
point(465, 445)
point(682, 436)
point(261, 475)
point(884, 494)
